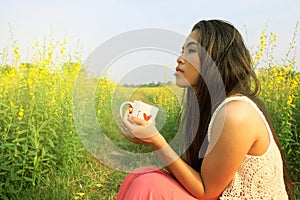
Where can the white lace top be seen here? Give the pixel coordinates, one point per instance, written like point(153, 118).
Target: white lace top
point(258, 177)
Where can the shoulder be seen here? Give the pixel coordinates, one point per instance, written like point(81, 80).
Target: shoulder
point(237, 120)
point(238, 111)
point(242, 117)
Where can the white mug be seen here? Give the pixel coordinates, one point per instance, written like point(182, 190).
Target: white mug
point(141, 110)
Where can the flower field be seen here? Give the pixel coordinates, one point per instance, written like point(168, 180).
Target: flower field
point(41, 154)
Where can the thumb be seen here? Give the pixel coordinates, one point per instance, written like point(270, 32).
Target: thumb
point(138, 121)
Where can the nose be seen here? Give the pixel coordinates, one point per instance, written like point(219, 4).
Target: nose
point(180, 59)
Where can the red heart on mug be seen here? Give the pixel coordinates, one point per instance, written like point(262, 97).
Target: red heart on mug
point(147, 117)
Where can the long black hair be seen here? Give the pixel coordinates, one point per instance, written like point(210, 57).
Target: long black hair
point(221, 45)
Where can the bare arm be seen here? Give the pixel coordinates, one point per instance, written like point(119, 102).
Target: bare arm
point(233, 140)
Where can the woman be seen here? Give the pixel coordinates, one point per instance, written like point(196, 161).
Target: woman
point(231, 149)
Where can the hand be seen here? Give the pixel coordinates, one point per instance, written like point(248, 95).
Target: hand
point(137, 130)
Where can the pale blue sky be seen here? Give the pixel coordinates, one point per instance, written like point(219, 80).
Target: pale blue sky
point(95, 21)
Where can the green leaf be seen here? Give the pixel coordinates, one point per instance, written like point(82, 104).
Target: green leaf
point(5, 168)
point(43, 125)
point(28, 179)
point(50, 142)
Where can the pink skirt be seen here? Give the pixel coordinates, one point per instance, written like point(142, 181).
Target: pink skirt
point(149, 183)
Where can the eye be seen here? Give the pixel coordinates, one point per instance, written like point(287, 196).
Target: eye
point(192, 50)
point(182, 50)
point(189, 50)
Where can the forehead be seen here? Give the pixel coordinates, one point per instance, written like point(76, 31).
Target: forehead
point(192, 37)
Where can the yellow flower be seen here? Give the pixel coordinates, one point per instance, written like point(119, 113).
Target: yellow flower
point(18, 56)
point(274, 37)
point(21, 114)
point(81, 194)
point(258, 56)
point(16, 49)
point(12, 104)
point(290, 100)
point(62, 50)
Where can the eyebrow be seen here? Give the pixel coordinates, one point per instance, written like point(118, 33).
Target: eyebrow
point(189, 44)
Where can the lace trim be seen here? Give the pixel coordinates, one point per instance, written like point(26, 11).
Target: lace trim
point(258, 177)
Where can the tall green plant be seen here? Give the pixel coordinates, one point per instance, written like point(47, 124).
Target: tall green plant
point(280, 92)
point(36, 123)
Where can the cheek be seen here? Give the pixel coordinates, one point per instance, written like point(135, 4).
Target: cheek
point(193, 76)
point(188, 79)
point(194, 79)
point(181, 81)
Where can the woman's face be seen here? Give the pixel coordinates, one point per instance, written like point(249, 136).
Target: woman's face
point(187, 70)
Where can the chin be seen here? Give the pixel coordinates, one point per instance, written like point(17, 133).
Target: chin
point(183, 83)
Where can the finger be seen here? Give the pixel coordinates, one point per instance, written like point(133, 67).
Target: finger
point(125, 116)
point(138, 121)
point(131, 137)
point(125, 121)
point(126, 134)
point(130, 109)
point(127, 131)
point(128, 124)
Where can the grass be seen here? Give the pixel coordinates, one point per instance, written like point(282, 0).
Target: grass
point(88, 179)
point(41, 154)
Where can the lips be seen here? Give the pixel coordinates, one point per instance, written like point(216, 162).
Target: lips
point(178, 70)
